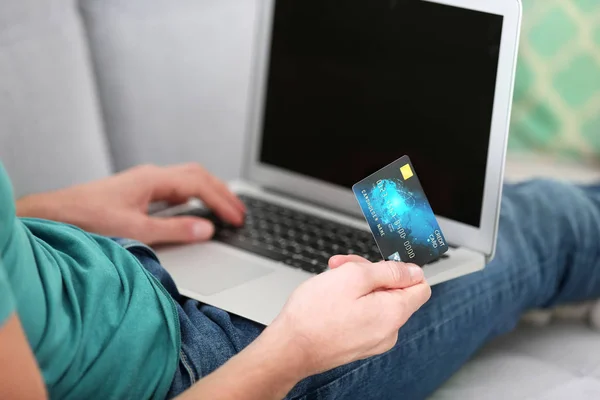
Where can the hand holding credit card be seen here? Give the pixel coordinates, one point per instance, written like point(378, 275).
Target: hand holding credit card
point(399, 215)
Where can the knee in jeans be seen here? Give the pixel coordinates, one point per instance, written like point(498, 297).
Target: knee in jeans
point(556, 198)
point(550, 187)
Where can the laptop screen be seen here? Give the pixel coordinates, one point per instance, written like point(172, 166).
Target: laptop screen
point(355, 84)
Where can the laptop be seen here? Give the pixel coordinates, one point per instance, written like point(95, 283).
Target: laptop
point(339, 90)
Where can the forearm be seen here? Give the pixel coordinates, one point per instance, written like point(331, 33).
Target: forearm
point(36, 206)
point(267, 369)
point(55, 206)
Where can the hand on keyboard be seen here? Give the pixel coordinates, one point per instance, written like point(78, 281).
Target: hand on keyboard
point(295, 238)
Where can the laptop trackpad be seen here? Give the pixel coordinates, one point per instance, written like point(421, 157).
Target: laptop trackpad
point(196, 268)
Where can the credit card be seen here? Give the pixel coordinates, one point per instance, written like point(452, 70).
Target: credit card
point(399, 215)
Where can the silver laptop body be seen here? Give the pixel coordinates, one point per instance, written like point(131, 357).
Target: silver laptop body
point(338, 94)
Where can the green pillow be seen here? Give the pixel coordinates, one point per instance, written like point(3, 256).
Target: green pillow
point(556, 107)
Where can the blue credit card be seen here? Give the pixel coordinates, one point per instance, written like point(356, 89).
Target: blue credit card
point(399, 215)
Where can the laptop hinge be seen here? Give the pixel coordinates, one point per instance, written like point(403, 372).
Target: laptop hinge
point(278, 192)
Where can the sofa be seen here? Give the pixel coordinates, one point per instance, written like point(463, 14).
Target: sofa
point(91, 87)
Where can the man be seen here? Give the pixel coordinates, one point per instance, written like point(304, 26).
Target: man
point(85, 316)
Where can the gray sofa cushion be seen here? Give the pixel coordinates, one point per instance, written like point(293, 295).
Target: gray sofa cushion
point(173, 78)
point(559, 361)
point(50, 131)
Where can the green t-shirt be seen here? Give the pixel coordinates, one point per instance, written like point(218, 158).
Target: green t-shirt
point(99, 324)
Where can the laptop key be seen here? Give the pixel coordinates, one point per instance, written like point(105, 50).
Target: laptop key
point(315, 269)
point(294, 263)
point(306, 265)
point(248, 246)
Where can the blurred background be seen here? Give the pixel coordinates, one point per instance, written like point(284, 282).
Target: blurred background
point(93, 86)
point(557, 91)
point(90, 87)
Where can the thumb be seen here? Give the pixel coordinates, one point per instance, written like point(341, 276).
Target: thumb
point(339, 260)
point(178, 230)
point(391, 275)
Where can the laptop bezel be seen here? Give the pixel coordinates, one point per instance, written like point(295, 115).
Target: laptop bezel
point(482, 239)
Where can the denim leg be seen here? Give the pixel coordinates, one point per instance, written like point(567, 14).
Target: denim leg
point(548, 253)
point(209, 336)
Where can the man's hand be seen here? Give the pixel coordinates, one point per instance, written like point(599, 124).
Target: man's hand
point(117, 206)
point(351, 312)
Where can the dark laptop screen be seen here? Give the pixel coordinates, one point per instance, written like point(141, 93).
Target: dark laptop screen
point(355, 84)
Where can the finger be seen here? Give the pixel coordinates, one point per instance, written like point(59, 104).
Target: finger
point(409, 299)
point(399, 304)
point(227, 193)
point(390, 275)
point(215, 194)
point(339, 260)
point(191, 180)
point(176, 230)
point(413, 297)
point(418, 294)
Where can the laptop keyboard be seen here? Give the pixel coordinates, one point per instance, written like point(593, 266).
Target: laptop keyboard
point(297, 239)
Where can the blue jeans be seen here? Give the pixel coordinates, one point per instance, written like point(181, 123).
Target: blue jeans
point(548, 254)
